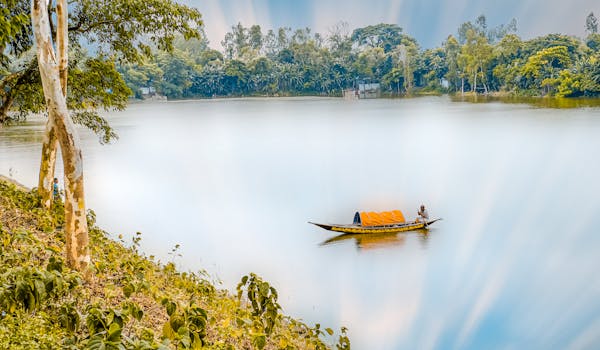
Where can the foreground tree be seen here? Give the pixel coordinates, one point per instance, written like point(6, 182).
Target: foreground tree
point(124, 32)
point(61, 126)
point(50, 143)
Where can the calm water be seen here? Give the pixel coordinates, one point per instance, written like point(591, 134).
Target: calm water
point(514, 264)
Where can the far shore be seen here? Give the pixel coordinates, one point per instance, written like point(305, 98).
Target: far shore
point(496, 96)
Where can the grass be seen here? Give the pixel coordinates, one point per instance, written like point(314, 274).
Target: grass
point(131, 301)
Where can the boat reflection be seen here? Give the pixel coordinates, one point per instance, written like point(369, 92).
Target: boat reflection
point(378, 240)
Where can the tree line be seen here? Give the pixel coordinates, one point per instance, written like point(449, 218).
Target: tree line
point(477, 59)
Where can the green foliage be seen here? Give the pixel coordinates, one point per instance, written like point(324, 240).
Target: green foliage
point(186, 327)
point(572, 44)
point(474, 57)
point(385, 36)
point(118, 28)
point(263, 299)
point(95, 83)
point(16, 29)
point(131, 302)
point(26, 331)
point(126, 31)
point(343, 341)
point(104, 326)
point(154, 53)
point(287, 62)
point(30, 203)
point(593, 42)
point(69, 317)
point(544, 66)
point(25, 288)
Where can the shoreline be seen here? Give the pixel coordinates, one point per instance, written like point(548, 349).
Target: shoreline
point(384, 96)
point(15, 182)
point(129, 297)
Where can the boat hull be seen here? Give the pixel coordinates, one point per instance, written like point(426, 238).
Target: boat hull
point(377, 229)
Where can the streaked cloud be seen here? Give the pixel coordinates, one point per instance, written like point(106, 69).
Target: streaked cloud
point(428, 21)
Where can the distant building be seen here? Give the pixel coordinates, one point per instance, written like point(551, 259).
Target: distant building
point(363, 90)
point(149, 93)
point(369, 90)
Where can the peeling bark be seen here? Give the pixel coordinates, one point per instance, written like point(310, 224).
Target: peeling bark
point(62, 38)
point(76, 230)
point(48, 163)
point(50, 144)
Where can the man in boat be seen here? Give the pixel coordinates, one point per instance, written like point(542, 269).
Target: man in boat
point(423, 214)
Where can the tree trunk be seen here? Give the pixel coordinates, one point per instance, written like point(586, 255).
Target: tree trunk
point(62, 41)
point(50, 143)
point(76, 230)
point(48, 163)
point(5, 107)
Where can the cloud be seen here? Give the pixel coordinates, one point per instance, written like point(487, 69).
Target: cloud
point(215, 23)
point(430, 22)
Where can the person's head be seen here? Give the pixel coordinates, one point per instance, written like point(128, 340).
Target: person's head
point(55, 180)
point(422, 207)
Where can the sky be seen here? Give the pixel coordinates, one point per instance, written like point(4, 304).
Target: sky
point(429, 21)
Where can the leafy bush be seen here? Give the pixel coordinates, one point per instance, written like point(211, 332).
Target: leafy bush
point(28, 288)
point(186, 326)
point(131, 301)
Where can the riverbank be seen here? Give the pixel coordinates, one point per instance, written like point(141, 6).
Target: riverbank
point(131, 301)
point(505, 97)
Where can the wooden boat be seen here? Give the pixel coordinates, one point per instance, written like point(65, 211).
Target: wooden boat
point(383, 222)
point(409, 226)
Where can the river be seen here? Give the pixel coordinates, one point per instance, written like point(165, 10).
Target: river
point(513, 264)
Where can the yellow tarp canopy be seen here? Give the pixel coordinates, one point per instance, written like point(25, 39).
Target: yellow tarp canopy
point(383, 218)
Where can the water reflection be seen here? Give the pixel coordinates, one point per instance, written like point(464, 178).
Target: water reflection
point(542, 102)
point(23, 133)
point(367, 241)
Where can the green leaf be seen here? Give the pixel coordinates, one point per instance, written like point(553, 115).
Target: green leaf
point(168, 331)
point(96, 343)
point(259, 340)
point(128, 289)
point(110, 317)
point(183, 331)
point(114, 332)
point(171, 307)
point(264, 289)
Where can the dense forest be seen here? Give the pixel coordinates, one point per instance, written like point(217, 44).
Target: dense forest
point(478, 59)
